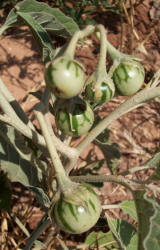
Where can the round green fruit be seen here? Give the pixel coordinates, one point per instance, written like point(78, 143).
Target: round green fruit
point(74, 117)
point(128, 77)
point(100, 94)
point(65, 77)
point(76, 219)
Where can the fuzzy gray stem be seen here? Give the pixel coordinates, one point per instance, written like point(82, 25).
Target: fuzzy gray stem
point(15, 105)
point(101, 66)
point(61, 176)
point(133, 102)
point(113, 52)
point(71, 153)
point(130, 184)
point(80, 34)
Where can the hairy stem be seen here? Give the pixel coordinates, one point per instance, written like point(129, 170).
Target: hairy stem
point(152, 163)
point(80, 34)
point(45, 98)
point(101, 66)
point(15, 117)
point(113, 52)
point(71, 153)
point(61, 176)
point(133, 102)
point(130, 184)
point(9, 111)
point(15, 105)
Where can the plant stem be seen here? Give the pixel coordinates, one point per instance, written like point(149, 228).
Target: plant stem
point(101, 66)
point(113, 52)
point(80, 34)
point(71, 153)
point(38, 139)
point(133, 102)
point(43, 224)
point(21, 123)
point(9, 111)
point(135, 169)
point(110, 206)
point(152, 163)
point(130, 184)
point(62, 179)
point(45, 98)
point(15, 105)
point(131, 26)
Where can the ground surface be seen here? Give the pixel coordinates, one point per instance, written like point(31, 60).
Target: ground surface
point(137, 133)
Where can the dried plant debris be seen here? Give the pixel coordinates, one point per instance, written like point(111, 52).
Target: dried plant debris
point(155, 10)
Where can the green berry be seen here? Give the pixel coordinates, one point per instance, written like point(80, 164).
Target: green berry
point(65, 77)
point(128, 77)
point(74, 117)
point(77, 219)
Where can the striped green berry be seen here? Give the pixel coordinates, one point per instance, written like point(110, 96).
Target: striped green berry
point(76, 219)
point(99, 94)
point(65, 77)
point(74, 117)
point(128, 77)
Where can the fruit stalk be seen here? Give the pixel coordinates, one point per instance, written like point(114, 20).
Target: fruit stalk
point(61, 176)
point(99, 86)
point(101, 66)
point(113, 52)
point(80, 34)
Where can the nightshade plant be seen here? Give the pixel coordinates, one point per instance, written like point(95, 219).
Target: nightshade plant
point(69, 203)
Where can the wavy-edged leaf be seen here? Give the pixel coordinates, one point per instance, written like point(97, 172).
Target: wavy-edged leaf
point(110, 150)
point(145, 211)
point(50, 18)
point(124, 232)
point(148, 211)
point(11, 19)
point(92, 169)
point(100, 240)
point(51, 24)
point(41, 196)
point(16, 159)
point(40, 35)
point(152, 240)
point(155, 163)
point(129, 207)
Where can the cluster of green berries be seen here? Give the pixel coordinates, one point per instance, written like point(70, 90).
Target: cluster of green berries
point(77, 97)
